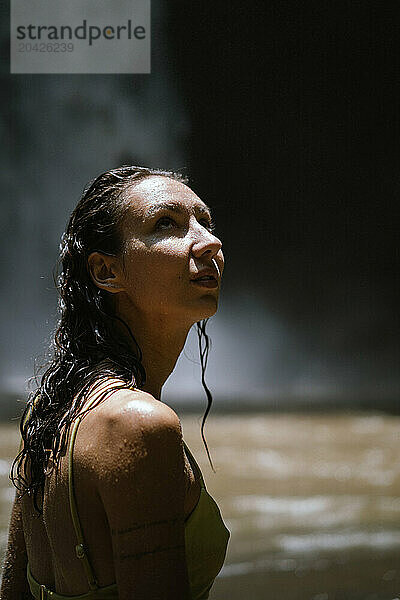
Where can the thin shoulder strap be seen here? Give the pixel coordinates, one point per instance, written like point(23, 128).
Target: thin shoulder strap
point(195, 466)
point(80, 548)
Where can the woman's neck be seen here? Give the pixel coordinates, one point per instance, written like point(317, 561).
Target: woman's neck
point(161, 340)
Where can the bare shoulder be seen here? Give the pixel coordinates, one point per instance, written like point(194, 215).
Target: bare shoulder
point(137, 431)
point(136, 411)
point(140, 458)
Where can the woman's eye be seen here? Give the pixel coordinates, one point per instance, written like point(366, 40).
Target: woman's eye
point(168, 222)
point(164, 222)
point(208, 224)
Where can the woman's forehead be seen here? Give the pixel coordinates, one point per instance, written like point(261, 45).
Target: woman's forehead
point(154, 193)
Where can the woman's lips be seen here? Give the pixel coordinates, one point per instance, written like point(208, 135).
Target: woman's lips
point(208, 283)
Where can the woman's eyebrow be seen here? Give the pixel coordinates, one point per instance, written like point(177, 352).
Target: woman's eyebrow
point(175, 207)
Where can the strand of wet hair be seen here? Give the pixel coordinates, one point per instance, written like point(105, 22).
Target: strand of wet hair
point(203, 351)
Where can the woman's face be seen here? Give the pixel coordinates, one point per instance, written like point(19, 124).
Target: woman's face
point(168, 242)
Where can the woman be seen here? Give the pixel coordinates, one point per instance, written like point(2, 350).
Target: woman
point(110, 502)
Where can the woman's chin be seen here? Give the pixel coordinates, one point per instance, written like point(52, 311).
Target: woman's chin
point(207, 311)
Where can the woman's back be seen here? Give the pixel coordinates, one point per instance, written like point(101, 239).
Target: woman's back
point(102, 465)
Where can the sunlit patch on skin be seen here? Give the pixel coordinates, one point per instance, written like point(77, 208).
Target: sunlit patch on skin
point(139, 406)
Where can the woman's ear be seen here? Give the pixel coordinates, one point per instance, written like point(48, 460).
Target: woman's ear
point(105, 272)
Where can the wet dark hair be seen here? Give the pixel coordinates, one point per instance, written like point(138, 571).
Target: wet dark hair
point(86, 349)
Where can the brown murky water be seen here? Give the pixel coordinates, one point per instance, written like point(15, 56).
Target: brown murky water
point(312, 502)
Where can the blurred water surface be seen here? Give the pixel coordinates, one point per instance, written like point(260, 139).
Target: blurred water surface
point(312, 502)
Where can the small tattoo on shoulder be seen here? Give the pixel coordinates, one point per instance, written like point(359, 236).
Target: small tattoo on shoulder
point(158, 549)
point(137, 526)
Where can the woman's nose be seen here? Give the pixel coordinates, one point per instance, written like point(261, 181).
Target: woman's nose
point(206, 243)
